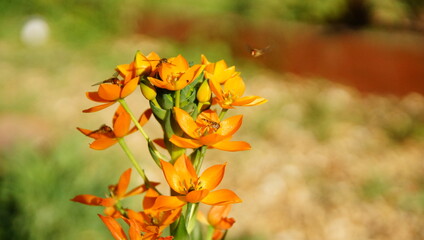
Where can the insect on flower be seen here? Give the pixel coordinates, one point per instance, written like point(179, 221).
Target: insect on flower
point(104, 130)
point(257, 52)
point(210, 127)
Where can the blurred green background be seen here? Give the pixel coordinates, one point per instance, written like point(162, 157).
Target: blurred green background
point(328, 161)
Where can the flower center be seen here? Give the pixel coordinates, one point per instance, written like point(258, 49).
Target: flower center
point(229, 98)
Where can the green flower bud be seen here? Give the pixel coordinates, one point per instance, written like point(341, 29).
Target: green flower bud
point(148, 90)
point(204, 93)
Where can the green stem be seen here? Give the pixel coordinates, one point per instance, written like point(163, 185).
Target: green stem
point(135, 121)
point(190, 216)
point(127, 151)
point(209, 233)
point(222, 113)
point(198, 158)
point(140, 128)
point(177, 98)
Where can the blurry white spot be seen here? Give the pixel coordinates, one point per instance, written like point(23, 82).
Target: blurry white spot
point(35, 32)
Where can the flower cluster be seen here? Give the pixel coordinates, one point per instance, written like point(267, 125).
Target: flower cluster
point(190, 103)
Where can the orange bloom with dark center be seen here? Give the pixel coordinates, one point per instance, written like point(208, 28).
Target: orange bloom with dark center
point(113, 89)
point(182, 178)
point(105, 136)
point(208, 130)
point(217, 218)
point(152, 222)
point(231, 93)
point(175, 74)
point(118, 232)
point(117, 192)
point(218, 71)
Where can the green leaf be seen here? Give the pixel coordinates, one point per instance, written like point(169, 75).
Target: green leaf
point(181, 231)
point(158, 112)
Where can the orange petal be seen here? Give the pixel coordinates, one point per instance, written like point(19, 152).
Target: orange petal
point(232, 146)
point(98, 108)
point(114, 227)
point(121, 122)
point(212, 177)
point(109, 92)
point(211, 139)
point(185, 142)
point(185, 170)
point(216, 89)
point(165, 203)
point(217, 213)
point(188, 77)
point(172, 177)
point(102, 143)
point(235, 85)
point(197, 195)
point(93, 200)
point(249, 101)
point(94, 96)
point(89, 133)
point(142, 120)
point(220, 197)
point(134, 230)
point(122, 185)
point(209, 115)
point(149, 199)
point(130, 87)
point(160, 142)
point(186, 122)
point(158, 83)
point(140, 189)
point(230, 125)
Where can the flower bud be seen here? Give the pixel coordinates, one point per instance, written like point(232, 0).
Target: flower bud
point(148, 90)
point(204, 93)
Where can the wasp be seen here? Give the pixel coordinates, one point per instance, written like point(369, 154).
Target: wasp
point(257, 52)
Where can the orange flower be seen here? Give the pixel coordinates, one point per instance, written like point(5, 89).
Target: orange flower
point(218, 219)
point(113, 89)
point(182, 178)
point(151, 221)
point(231, 94)
point(134, 231)
point(218, 71)
point(175, 74)
point(117, 193)
point(208, 130)
point(146, 65)
point(105, 136)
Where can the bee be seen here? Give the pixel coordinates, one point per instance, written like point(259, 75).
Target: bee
point(160, 61)
point(114, 80)
point(104, 129)
point(213, 124)
point(256, 52)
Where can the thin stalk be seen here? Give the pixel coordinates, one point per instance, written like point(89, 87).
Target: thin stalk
point(209, 233)
point(127, 151)
point(177, 98)
point(222, 113)
point(198, 159)
point(140, 128)
point(135, 121)
point(190, 216)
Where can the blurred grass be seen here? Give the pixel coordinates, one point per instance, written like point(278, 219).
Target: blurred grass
point(338, 151)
